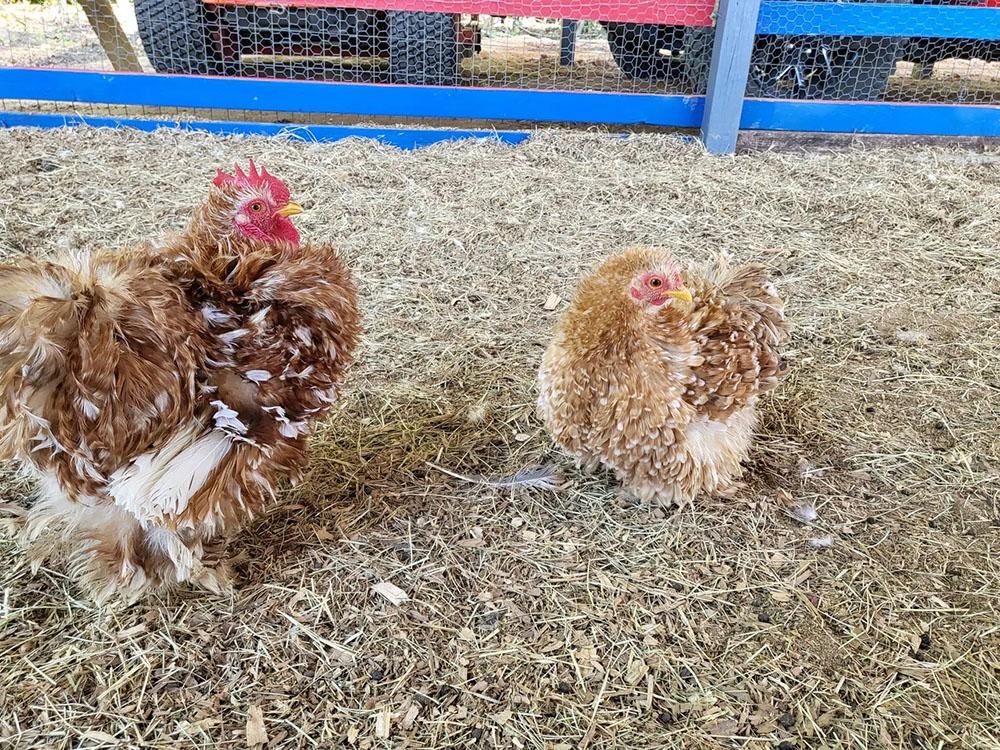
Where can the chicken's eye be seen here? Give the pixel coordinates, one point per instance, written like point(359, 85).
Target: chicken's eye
point(655, 283)
point(256, 207)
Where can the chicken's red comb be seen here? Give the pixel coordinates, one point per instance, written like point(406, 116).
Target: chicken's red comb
point(255, 179)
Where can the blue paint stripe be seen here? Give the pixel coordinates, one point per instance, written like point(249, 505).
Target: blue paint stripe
point(405, 139)
point(350, 98)
point(871, 117)
point(878, 19)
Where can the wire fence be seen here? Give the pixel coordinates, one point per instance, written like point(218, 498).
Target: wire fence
point(598, 45)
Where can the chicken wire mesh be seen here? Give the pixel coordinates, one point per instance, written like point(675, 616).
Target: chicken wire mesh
point(918, 67)
point(367, 45)
point(596, 45)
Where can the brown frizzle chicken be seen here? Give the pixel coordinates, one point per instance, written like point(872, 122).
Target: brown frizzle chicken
point(161, 396)
point(655, 374)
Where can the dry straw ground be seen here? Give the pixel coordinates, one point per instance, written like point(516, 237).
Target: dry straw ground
point(537, 620)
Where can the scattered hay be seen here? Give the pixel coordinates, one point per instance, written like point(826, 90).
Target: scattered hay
point(559, 620)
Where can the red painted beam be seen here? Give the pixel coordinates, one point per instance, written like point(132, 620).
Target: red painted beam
point(671, 12)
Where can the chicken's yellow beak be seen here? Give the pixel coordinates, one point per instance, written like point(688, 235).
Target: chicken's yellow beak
point(681, 294)
point(289, 209)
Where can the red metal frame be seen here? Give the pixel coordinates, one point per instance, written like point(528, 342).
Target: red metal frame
point(670, 12)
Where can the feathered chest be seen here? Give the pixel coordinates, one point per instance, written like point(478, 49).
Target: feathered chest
point(282, 324)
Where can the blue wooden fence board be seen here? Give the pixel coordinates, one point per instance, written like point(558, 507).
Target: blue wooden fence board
point(404, 138)
point(350, 98)
point(878, 19)
point(871, 117)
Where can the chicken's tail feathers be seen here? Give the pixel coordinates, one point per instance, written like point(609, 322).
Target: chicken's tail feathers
point(752, 284)
point(747, 279)
point(81, 300)
point(47, 307)
point(70, 329)
point(39, 310)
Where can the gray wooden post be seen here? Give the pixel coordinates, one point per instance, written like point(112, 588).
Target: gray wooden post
point(735, 29)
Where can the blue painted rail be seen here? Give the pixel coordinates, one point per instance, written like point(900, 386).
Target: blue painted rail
point(314, 97)
point(883, 118)
point(405, 138)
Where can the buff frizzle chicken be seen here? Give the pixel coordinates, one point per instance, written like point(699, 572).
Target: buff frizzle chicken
point(655, 374)
point(160, 396)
